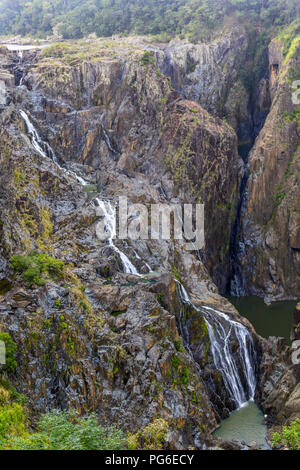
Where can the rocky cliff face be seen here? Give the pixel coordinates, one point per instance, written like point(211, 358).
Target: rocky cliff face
point(91, 336)
point(268, 245)
point(182, 150)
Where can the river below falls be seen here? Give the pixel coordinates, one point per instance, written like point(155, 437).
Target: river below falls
point(244, 425)
point(268, 320)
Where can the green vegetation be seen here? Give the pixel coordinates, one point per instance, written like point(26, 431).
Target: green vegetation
point(66, 430)
point(161, 297)
point(36, 266)
point(13, 417)
point(288, 37)
point(179, 372)
point(290, 436)
point(152, 437)
point(176, 274)
point(194, 19)
point(293, 117)
point(10, 349)
point(117, 313)
point(56, 430)
point(90, 189)
point(148, 58)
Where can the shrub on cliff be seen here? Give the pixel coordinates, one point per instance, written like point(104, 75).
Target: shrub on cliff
point(152, 437)
point(290, 436)
point(36, 266)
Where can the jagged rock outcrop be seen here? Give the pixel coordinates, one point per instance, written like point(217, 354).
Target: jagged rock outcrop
point(278, 387)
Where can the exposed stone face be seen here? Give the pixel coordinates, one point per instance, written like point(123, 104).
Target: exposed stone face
point(205, 73)
point(151, 131)
point(278, 387)
point(268, 253)
point(100, 339)
point(200, 153)
point(112, 348)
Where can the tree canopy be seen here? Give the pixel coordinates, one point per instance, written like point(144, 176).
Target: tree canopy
point(195, 19)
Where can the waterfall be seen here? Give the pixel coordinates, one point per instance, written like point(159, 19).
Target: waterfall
point(107, 140)
point(145, 262)
point(221, 335)
point(110, 227)
point(35, 138)
point(222, 330)
point(44, 149)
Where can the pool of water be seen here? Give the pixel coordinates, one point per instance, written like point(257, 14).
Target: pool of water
point(244, 424)
point(268, 320)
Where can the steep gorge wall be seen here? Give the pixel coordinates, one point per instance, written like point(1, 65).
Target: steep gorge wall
point(268, 246)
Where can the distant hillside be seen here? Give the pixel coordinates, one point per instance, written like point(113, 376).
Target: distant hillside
point(195, 19)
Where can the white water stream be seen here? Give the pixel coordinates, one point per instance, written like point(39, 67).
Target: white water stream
point(44, 149)
point(110, 220)
point(240, 385)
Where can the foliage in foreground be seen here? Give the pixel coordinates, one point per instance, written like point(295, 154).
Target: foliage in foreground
point(66, 430)
point(13, 418)
point(290, 436)
point(56, 430)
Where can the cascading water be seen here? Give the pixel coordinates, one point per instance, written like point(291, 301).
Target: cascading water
point(110, 226)
point(44, 149)
point(108, 141)
point(221, 329)
point(221, 334)
point(240, 382)
point(35, 138)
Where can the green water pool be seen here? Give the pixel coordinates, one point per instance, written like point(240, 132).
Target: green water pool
point(245, 424)
point(268, 320)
